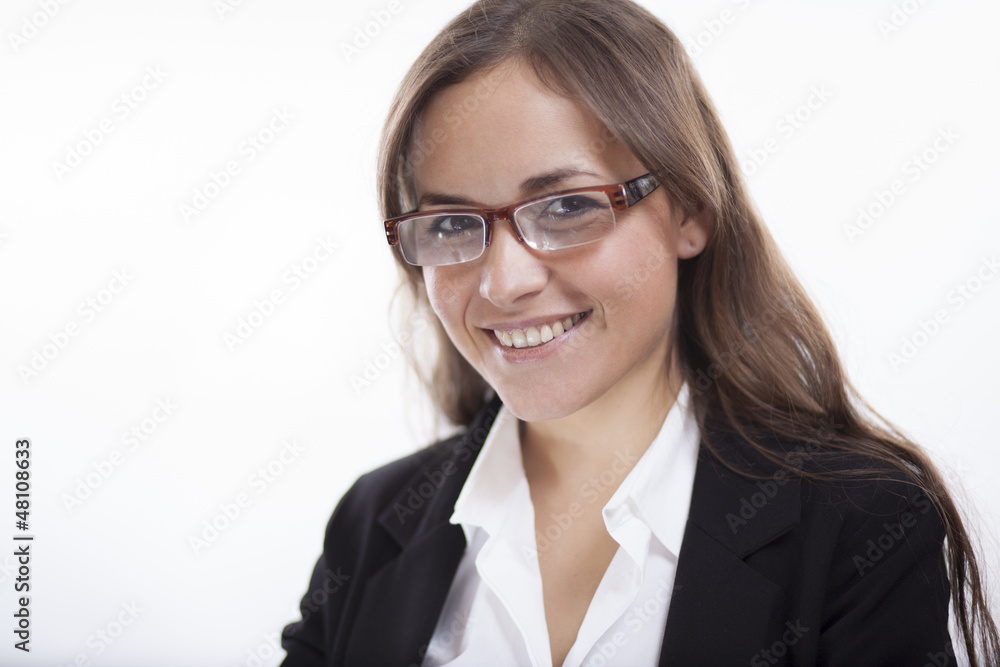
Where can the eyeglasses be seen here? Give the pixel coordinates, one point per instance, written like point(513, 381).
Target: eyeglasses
point(561, 220)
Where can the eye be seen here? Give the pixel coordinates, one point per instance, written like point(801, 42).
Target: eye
point(450, 225)
point(571, 206)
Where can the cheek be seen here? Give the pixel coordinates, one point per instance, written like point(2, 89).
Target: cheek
point(641, 280)
point(446, 294)
point(436, 294)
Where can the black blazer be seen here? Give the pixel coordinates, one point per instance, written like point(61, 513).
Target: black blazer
point(777, 570)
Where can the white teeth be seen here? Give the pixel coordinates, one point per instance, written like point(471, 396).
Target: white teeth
point(534, 336)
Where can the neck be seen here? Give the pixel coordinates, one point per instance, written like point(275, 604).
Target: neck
point(561, 454)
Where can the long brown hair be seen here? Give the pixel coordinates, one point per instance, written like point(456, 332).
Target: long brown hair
point(752, 345)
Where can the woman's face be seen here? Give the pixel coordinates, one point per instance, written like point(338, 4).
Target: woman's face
point(524, 141)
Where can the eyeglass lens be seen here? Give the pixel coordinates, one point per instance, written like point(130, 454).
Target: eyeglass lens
point(552, 223)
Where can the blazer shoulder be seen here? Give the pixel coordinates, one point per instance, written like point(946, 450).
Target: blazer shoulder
point(415, 491)
point(781, 482)
point(856, 482)
point(377, 487)
point(356, 545)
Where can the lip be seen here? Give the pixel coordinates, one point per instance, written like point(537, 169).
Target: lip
point(539, 352)
point(534, 322)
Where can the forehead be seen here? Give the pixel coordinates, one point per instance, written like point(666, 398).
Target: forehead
point(484, 136)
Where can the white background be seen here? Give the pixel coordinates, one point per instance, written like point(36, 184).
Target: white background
point(161, 337)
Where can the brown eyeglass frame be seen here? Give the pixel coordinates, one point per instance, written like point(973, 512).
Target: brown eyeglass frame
point(621, 196)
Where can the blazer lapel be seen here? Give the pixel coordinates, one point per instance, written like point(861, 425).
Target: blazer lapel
point(721, 609)
point(403, 599)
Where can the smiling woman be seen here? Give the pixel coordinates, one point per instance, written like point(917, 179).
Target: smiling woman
point(662, 460)
point(613, 347)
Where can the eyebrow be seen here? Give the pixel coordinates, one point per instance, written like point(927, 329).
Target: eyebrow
point(528, 186)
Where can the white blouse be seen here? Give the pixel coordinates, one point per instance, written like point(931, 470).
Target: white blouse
point(494, 613)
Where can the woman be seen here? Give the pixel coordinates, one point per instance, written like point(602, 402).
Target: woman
point(662, 460)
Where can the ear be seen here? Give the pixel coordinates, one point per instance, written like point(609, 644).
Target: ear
point(692, 234)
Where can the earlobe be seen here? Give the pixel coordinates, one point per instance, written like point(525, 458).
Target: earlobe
point(692, 235)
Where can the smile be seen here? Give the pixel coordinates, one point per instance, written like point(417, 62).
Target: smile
point(535, 336)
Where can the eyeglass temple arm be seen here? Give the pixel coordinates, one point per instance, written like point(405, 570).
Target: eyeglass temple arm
point(638, 188)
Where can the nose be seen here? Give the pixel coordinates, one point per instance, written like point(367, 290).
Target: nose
point(511, 270)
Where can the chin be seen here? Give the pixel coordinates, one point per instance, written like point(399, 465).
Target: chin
point(541, 406)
